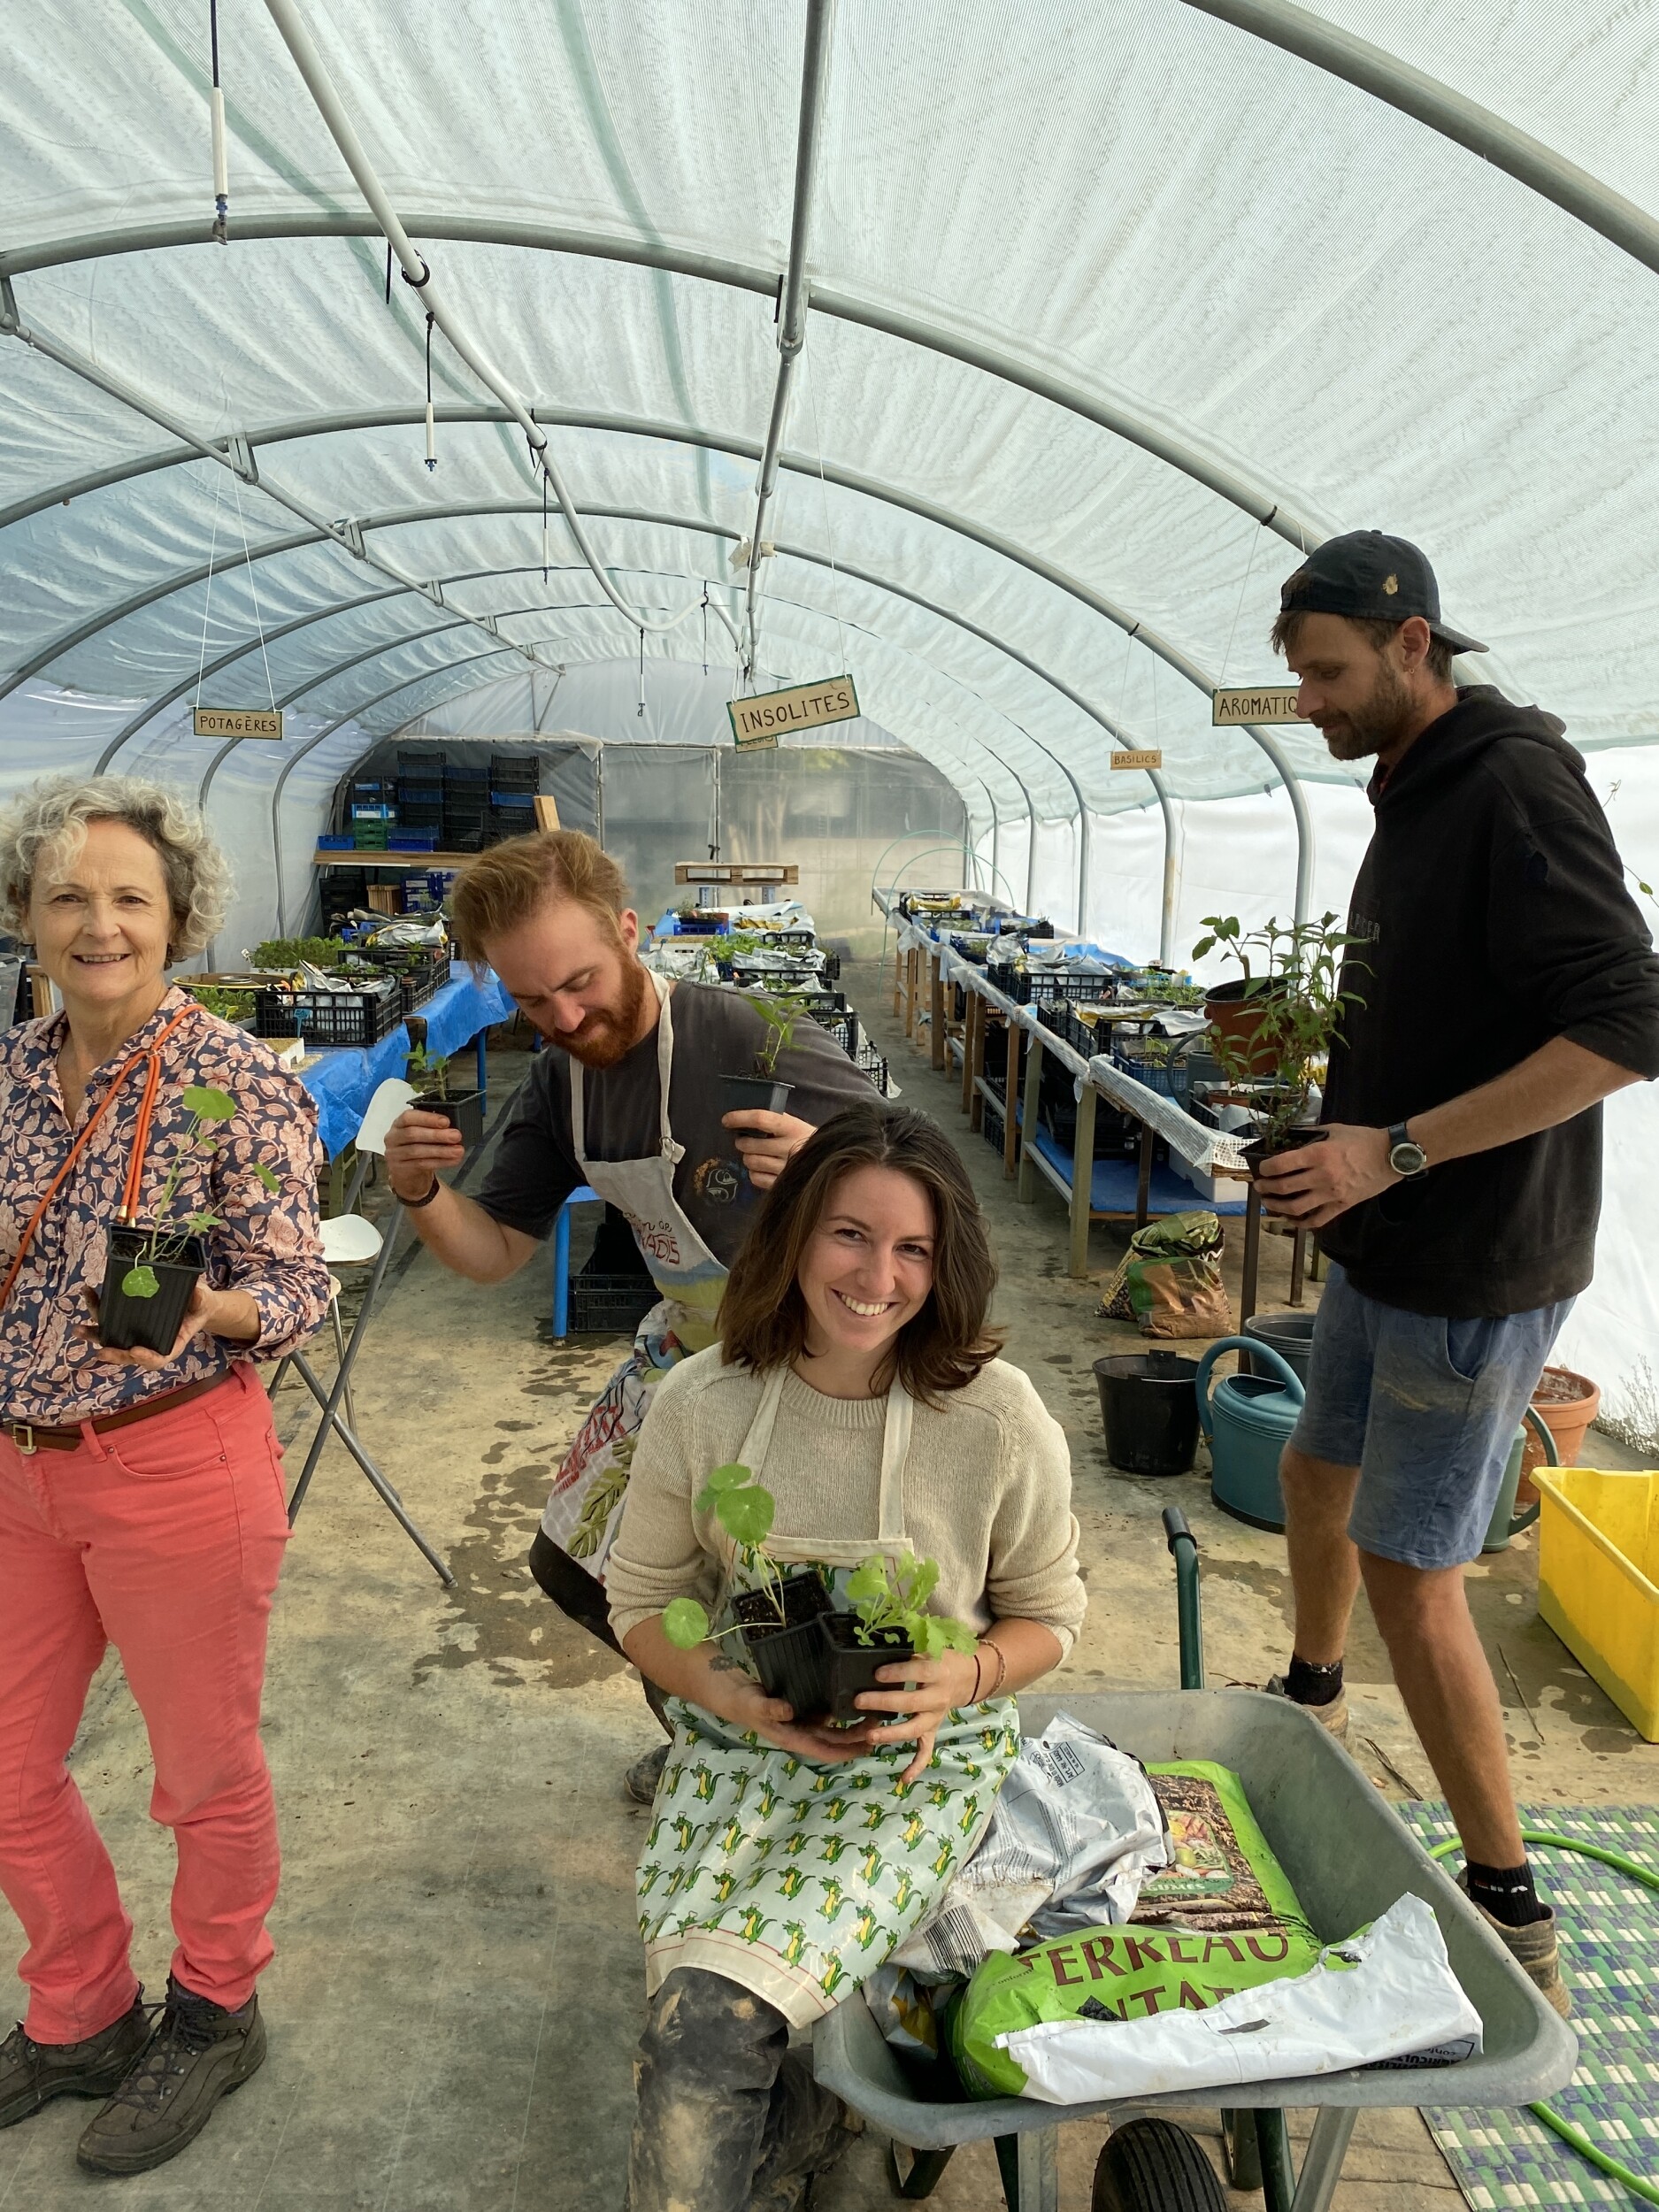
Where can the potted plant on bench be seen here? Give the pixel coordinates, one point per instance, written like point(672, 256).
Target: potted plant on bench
point(429, 1073)
point(1271, 1030)
point(151, 1271)
point(759, 1089)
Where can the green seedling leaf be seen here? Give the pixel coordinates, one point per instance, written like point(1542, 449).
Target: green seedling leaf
point(267, 1180)
point(1204, 945)
point(140, 1282)
point(197, 1223)
point(867, 1585)
point(720, 1480)
point(208, 1104)
point(746, 1515)
point(684, 1623)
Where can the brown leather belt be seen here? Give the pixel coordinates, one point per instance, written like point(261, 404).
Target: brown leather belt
point(28, 1436)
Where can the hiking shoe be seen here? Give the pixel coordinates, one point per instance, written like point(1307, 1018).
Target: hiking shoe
point(1331, 1717)
point(1535, 1949)
point(31, 2074)
point(199, 2053)
point(641, 1778)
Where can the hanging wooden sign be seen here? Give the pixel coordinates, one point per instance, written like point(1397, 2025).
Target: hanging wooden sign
point(1235, 703)
point(239, 722)
point(1150, 757)
point(758, 722)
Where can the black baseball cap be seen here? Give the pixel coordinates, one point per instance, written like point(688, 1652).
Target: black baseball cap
point(1370, 577)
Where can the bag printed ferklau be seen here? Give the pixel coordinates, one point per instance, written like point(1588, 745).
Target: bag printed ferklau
point(1178, 1952)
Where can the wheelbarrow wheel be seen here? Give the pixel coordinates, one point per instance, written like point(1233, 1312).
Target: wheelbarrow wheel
point(1154, 2166)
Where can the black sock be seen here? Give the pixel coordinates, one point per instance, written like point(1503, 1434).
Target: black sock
point(1506, 1891)
point(1311, 1684)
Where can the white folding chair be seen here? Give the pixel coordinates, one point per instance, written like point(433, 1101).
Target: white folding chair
point(348, 1240)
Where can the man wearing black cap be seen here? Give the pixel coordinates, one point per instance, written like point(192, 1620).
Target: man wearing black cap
point(1504, 986)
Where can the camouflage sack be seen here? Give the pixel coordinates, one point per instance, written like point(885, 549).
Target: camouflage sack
point(1170, 1280)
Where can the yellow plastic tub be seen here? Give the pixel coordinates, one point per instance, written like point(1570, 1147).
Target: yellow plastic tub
point(1598, 1557)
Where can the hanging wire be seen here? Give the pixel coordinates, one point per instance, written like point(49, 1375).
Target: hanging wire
point(431, 435)
point(388, 273)
point(705, 629)
point(544, 546)
point(1239, 608)
point(212, 547)
point(640, 708)
point(253, 586)
point(216, 109)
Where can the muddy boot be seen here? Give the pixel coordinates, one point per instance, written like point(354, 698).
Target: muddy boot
point(31, 2074)
point(1331, 1717)
point(1534, 1950)
point(199, 2053)
point(641, 1778)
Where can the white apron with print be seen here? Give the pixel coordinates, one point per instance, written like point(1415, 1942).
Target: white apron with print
point(796, 1880)
point(588, 1491)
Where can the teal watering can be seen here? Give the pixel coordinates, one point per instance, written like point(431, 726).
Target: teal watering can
point(1248, 1419)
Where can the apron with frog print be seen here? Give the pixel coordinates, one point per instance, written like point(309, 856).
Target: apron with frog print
point(797, 1879)
point(588, 1491)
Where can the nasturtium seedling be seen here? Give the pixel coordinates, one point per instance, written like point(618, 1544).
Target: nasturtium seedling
point(140, 1282)
point(208, 1104)
point(684, 1623)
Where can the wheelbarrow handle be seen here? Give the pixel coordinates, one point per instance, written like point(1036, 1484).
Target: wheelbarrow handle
point(1188, 1608)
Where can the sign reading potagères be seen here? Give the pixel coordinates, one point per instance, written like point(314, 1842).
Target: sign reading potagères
point(1150, 757)
point(758, 723)
point(239, 722)
point(1236, 704)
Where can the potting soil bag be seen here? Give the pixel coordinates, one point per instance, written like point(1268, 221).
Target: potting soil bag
point(1170, 1280)
point(1386, 1994)
point(1178, 1954)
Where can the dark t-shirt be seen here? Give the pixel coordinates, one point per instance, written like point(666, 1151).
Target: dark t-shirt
point(716, 1033)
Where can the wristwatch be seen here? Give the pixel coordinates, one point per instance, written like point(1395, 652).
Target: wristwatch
point(1406, 1158)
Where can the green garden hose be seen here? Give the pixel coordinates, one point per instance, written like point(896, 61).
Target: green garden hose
point(1574, 2137)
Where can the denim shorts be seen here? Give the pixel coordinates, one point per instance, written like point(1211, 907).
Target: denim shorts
point(1426, 1410)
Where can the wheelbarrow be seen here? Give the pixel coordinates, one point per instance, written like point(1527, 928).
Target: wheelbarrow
point(1348, 1856)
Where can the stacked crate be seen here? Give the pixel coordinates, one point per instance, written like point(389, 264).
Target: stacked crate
point(466, 807)
point(514, 780)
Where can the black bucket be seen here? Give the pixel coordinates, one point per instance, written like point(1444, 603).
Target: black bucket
point(1149, 1408)
point(1291, 1336)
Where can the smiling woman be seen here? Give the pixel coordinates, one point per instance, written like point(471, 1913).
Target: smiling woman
point(902, 1462)
point(163, 1522)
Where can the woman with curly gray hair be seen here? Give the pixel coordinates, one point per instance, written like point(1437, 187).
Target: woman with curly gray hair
point(140, 1492)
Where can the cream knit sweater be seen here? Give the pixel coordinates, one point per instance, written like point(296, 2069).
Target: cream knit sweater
point(987, 1492)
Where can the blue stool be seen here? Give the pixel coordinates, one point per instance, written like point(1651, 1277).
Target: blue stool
point(562, 1261)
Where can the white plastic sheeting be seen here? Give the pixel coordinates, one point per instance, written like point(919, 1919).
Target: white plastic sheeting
point(1112, 306)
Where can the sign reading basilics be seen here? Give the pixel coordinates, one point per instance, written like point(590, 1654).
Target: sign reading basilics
point(758, 723)
point(1236, 704)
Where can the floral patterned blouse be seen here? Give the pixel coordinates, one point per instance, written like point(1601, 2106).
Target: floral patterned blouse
point(266, 1243)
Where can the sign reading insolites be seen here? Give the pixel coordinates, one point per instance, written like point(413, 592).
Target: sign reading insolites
point(1236, 704)
point(770, 715)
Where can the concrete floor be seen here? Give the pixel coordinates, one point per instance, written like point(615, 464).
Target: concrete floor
point(457, 1982)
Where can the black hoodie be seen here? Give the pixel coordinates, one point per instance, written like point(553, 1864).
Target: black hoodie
point(1494, 900)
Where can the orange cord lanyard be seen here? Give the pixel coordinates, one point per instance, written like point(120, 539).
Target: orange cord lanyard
point(141, 1141)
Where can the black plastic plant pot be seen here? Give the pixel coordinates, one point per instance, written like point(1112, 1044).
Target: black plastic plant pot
point(753, 1093)
point(853, 1665)
point(127, 1324)
point(1259, 1149)
point(790, 1657)
point(463, 1109)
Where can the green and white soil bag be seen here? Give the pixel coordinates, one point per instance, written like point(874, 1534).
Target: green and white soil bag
point(1385, 1993)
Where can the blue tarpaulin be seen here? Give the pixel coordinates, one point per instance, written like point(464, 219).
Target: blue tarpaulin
point(344, 1080)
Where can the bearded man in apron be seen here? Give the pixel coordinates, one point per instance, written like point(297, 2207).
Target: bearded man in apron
point(627, 1101)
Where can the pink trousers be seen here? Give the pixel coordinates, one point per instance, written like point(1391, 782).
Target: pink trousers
point(164, 1538)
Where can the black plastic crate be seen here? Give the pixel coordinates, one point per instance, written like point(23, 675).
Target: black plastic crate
point(1022, 986)
point(514, 772)
point(843, 1028)
point(871, 1063)
point(610, 1305)
point(421, 756)
point(831, 967)
point(330, 1018)
point(991, 1126)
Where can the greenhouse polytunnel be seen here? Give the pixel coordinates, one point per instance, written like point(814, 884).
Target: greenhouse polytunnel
point(393, 393)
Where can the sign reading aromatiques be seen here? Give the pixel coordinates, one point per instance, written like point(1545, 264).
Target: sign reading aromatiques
point(759, 722)
point(239, 722)
point(1236, 704)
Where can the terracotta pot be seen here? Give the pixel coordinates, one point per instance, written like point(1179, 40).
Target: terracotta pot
point(1568, 1421)
point(1235, 1017)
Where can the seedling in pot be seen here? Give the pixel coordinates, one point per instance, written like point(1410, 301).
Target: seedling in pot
point(1293, 1000)
point(151, 1272)
point(761, 1089)
point(464, 1110)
